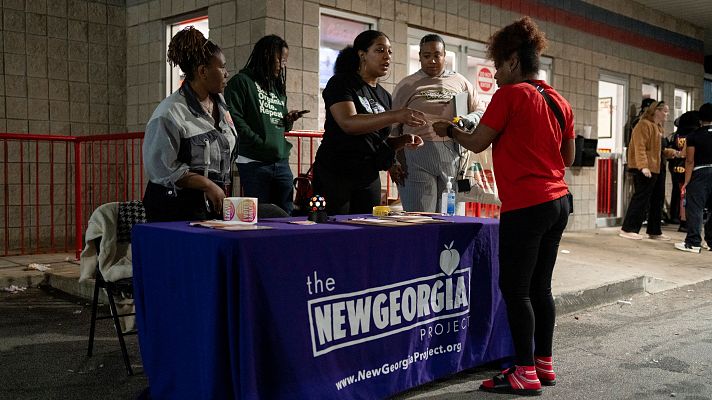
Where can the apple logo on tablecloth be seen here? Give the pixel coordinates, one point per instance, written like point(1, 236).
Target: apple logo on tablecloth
point(449, 259)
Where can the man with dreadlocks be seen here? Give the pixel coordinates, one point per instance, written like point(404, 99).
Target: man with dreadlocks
point(190, 139)
point(257, 99)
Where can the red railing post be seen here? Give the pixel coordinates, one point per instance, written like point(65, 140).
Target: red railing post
point(6, 195)
point(78, 198)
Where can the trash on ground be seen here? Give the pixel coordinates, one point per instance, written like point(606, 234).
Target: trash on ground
point(77, 311)
point(39, 267)
point(14, 289)
point(624, 302)
point(565, 252)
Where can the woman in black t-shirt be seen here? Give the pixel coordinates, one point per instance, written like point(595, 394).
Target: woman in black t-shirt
point(356, 145)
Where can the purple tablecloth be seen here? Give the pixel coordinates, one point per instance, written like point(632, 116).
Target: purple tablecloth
point(315, 312)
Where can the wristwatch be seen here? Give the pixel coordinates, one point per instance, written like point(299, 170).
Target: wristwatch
point(449, 131)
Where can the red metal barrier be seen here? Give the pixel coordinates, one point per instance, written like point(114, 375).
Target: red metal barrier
point(311, 136)
point(606, 202)
point(44, 175)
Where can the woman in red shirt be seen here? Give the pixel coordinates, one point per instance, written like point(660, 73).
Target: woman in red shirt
point(532, 146)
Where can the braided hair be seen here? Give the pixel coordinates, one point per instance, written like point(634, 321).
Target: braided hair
point(189, 49)
point(262, 60)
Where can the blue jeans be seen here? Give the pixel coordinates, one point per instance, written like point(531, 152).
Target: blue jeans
point(697, 195)
point(269, 182)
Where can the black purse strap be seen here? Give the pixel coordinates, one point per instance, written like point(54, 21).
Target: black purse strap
point(554, 107)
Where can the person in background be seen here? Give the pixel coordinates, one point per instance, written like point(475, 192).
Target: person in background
point(635, 119)
point(189, 145)
point(356, 144)
point(686, 124)
point(421, 175)
point(644, 162)
point(257, 100)
point(531, 150)
point(697, 187)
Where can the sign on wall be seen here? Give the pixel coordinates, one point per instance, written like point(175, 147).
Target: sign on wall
point(485, 79)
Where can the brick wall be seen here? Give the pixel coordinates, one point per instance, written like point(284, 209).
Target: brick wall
point(63, 64)
point(579, 56)
point(78, 67)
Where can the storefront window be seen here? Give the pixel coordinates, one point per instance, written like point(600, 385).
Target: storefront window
point(336, 31)
point(174, 75)
point(682, 102)
point(651, 91)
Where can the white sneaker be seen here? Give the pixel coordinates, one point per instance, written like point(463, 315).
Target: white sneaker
point(630, 235)
point(686, 247)
point(706, 246)
point(659, 237)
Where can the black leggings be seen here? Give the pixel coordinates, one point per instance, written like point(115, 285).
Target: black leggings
point(528, 244)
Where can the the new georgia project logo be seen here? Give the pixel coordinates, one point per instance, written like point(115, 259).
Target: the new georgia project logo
point(347, 319)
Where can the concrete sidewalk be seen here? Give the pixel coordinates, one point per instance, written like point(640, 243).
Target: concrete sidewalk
point(594, 267)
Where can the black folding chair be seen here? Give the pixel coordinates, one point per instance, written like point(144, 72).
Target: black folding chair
point(121, 287)
point(130, 213)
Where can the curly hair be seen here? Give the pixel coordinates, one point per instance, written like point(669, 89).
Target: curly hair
point(189, 49)
point(522, 37)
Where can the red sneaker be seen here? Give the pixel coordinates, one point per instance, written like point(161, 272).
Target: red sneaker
point(518, 380)
point(545, 370)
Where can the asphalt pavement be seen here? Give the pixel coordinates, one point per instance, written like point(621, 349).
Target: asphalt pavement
point(43, 350)
point(652, 347)
point(43, 332)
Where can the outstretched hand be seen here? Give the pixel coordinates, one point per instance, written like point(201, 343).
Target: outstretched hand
point(440, 127)
point(407, 140)
point(410, 117)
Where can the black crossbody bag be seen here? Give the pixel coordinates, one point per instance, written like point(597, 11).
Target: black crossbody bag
point(560, 118)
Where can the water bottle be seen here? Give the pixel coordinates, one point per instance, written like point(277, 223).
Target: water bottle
point(447, 201)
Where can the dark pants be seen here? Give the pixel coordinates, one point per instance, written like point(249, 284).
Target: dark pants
point(647, 200)
point(345, 194)
point(269, 182)
point(675, 197)
point(697, 194)
point(528, 244)
point(164, 204)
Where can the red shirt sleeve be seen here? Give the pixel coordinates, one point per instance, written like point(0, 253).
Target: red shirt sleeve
point(497, 114)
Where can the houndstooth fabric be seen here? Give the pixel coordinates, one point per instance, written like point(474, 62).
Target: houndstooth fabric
point(130, 213)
